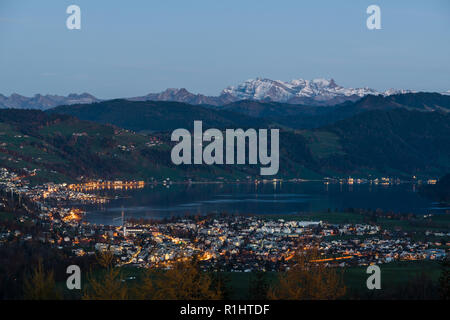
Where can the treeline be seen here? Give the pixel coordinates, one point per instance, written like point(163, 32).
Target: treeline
point(304, 280)
point(25, 262)
point(186, 281)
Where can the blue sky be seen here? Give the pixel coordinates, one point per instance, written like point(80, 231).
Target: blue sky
point(130, 48)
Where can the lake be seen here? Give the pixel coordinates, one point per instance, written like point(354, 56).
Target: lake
point(158, 201)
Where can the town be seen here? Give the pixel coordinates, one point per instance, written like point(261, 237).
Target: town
point(223, 242)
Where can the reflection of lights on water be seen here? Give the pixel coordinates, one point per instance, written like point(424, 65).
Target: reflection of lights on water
point(99, 185)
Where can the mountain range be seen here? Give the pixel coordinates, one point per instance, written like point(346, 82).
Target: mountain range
point(300, 91)
point(43, 102)
point(398, 135)
point(317, 92)
point(149, 116)
point(402, 135)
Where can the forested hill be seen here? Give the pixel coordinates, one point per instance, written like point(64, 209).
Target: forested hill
point(402, 135)
point(62, 148)
point(394, 142)
point(164, 116)
point(400, 141)
point(303, 116)
point(149, 116)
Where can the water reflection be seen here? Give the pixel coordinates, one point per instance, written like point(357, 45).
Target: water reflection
point(273, 198)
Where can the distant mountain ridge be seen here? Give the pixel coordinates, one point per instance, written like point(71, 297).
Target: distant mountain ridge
point(316, 92)
point(320, 91)
point(43, 102)
point(298, 91)
point(184, 96)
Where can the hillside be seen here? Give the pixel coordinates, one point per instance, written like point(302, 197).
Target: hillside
point(293, 115)
point(398, 142)
point(148, 116)
point(62, 148)
point(394, 142)
point(377, 135)
point(424, 101)
point(310, 116)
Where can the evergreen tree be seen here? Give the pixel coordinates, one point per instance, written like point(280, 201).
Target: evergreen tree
point(109, 287)
point(185, 281)
point(308, 279)
point(40, 285)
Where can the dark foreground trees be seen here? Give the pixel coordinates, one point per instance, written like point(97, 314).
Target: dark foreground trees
point(308, 279)
point(184, 281)
point(40, 285)
point(108, 284)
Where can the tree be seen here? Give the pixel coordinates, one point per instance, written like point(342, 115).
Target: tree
point(220, 281)
point(111, 286)
point(308, 279)
point(184, 281)
point(146, 289)
point(41, 285)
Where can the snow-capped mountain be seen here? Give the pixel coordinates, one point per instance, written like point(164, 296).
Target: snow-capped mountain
point(299, 90)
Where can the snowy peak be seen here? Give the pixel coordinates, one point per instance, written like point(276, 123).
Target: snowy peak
point(260, 89)
point(315, 92)
point(280, 91)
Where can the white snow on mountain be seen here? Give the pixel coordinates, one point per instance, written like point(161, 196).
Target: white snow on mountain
point(298, 91)
point(280, 91)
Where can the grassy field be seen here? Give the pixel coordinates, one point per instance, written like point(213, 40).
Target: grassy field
point(323, 144)
point(393, 275)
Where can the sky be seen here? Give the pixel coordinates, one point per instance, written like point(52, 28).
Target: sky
point(131, 48)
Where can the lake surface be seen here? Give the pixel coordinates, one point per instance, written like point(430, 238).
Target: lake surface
point(157, 202)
